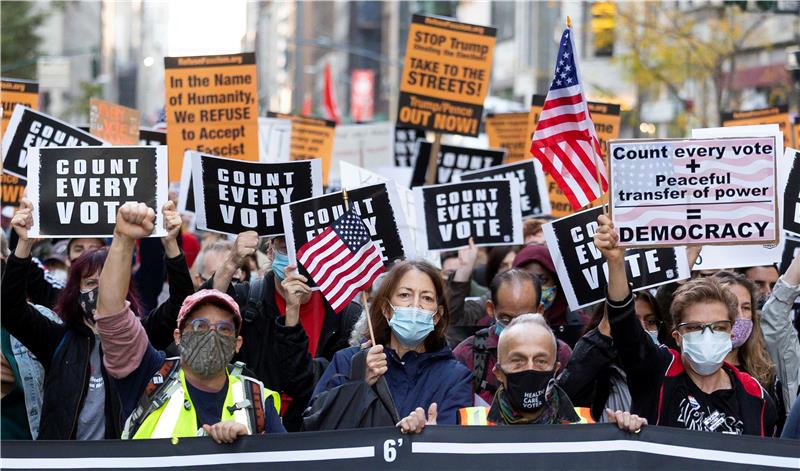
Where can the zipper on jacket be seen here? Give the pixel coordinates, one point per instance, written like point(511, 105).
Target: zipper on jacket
point(74, 428)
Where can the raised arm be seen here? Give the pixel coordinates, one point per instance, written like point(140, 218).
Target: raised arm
point(458, 285)
point(246, 244)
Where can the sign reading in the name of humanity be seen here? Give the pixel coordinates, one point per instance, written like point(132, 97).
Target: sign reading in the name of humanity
point(529, 175)
point(76, 191)
point(17, 92)
point(791, 195)
point(487, 211)
point(369, 145)
point(583, 271)
point(29, 128)
point(406, 145)
point(114, 123)
point(510, 131)
point(774, 115)
point(445, 75)
point(694, 191)
point(378, 206)
point(212, 107)
point(233, 196)
point(312, 138)
point(151, 137)
point(453, 161)
point(607, 120)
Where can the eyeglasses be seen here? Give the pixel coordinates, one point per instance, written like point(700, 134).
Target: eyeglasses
point(718, 326)
point(505, 319)
point(202, 325)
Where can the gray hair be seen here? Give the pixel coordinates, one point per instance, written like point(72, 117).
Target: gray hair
point(527, 319)
point(219, 246)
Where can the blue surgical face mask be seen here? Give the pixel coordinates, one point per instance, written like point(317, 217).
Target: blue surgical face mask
point(498, 328)
point(411, 325)
point(548, 297)
point(279, 263)
point(653, 336)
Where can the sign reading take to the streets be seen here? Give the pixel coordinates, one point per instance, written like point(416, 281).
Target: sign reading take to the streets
point(694, 191)
point(583, 271)
point(233, 196)
point(533, 196)
point(76, 191)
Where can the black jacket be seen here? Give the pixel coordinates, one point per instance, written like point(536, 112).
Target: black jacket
point(278, 355)
point(65, 350)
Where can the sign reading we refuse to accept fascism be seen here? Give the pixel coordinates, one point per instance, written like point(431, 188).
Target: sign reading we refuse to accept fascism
point(694, 191)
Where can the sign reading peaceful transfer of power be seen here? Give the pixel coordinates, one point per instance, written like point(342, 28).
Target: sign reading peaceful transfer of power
point(445, 75)
point(76, 191)
point(233, 196)
point(694, 191)
point(529, 175)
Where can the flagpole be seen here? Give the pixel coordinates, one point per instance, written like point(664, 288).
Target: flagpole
point(363, 293)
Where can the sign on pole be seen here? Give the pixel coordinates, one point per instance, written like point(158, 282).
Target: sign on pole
point(18, 92)
point(773, 115)
point(114, 123)
point(510, 132)
point(312, 138)
point(406, 145)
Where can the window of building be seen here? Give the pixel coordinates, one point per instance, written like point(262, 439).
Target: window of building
point(503, 19)
point(602, 25)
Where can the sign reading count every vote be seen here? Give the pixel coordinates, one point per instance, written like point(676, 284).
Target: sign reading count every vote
point(694, 191)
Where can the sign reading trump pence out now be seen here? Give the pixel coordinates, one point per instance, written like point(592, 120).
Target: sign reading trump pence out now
point(694, 191)
point(76, 191)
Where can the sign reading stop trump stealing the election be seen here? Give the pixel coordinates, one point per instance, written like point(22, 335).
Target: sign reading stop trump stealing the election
point(233, 196)
point(488, 211)
point(694, 191)
point(76, 191)
point(446, 75)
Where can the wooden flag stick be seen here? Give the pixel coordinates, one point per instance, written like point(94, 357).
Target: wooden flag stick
point(603, 197)
point(346, 202)
point(569, 22)
point(365, 302)
point(433, 160)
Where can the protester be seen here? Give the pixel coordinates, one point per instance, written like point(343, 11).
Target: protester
point(211, 257)
point(532, 233)
point(198, 389)
point(694, 389)
point(764, 277)
point(513, 293)
point(409, 317)
point(500, 259)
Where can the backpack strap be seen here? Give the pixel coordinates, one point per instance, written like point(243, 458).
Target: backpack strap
point(157, 392)
point(480, 360)
point(255, 299)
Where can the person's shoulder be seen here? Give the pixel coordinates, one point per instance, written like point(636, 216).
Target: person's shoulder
point(345, 354)
point(464, 347)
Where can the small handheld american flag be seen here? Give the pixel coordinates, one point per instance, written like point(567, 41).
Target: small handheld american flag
point(565, 141)
point(342, 260)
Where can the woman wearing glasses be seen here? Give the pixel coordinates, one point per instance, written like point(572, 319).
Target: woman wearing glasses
point(692, 389)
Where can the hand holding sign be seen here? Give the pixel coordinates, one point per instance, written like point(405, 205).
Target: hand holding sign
point(606, 240)
point(172, 224)
point(296, 293)
point(466, 262)
point(23, 219)
point(134, 221)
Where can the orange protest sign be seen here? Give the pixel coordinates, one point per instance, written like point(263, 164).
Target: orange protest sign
point(212, 107)
point(510, 131)
point(774, 115)
point(17, 92)
point(312, 138)
point(13, 190)
point(114, 123)
point(607, 119)
point(446, 75)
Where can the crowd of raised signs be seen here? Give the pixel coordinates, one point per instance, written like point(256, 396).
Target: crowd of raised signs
point(197, 333)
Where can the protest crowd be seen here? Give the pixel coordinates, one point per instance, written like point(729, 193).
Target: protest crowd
point(151, 293)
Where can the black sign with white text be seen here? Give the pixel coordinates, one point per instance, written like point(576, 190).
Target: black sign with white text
point(406, 145)
point(791, 196)
point(233, 196)
point(453, 161)
point(150, 137)
point(488, 211)
point(29, 128)
point(583, 271)
point(533, 196)
point(76, 191)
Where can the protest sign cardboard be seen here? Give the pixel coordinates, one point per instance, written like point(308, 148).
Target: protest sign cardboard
point(791, 195)
point(510, 131)
point(583, 271)
point(488, 211)
point(274, 139)
point(379, 208)
point(233, 196)
point(13, 190)
point(702, 191)
point(445, 75)
point(76, 191)
point(212, 107)
point(406, 145)
point(151, 137)
point(312, 138)
point(186, 188)
point(790, 250)
point(529, 175)
point(366, 145)
point(17, 92)
point(114, 123)
point(454, 160)
point(29, 128)
point(773, 115)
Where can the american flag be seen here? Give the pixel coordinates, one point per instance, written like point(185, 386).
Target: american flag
point(342, 260)
point(565, 141)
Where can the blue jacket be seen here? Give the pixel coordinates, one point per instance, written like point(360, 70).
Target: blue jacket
point(419, 380)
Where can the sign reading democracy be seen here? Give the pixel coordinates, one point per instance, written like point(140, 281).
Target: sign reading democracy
point(487, 211)
point(406, 145)
point(76, 191)
point(774, 115)
point(312, 138)
point(212, 107)
point(17, 92)
point(583, 271)
point(445, 75)
point(29, 128)
point(453, 161)
point(694, 191)
point(233, 196)
point(510, 131)
point(114, 123)
point(529, 175)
